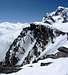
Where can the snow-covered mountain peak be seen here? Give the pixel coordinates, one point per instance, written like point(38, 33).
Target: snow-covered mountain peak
point(61, 7)
point(60, 14)
point(38, 41)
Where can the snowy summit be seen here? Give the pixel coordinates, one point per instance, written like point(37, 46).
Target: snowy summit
point(39, 48)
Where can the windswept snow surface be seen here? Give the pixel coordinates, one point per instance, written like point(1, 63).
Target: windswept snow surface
point(52, 48)
point(61, 26)
point(8, 32)
point(58, 67)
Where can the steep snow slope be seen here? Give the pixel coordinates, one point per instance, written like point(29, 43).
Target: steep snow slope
point(8, 32)
point(57, 67)
point(52, 48)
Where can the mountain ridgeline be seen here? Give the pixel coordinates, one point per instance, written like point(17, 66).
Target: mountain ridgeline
point(34, 41)
point(28, 45)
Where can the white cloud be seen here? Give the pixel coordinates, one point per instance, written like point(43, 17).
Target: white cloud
point(8, 32)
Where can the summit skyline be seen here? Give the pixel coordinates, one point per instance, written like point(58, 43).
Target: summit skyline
point(27, 10)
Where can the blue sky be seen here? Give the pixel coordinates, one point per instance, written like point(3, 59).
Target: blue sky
point(27, 10)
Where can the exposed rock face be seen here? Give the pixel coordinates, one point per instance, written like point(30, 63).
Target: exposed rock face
point(31, 42)
point(38, 41)
point(61, 14)
point(34, 40)
point(26, 38)
point(8, 69)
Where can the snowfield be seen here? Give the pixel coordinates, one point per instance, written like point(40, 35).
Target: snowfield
point(57, 67)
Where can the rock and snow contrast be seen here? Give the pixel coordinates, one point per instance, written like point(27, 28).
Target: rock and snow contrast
point(39, 48)
point(8, 32)
point(43, 67)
